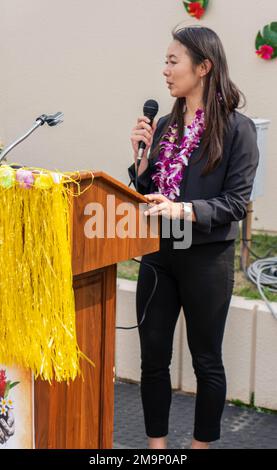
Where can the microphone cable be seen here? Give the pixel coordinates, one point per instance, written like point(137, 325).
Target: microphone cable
point(148, 301)
point(262, 273)
point(135, 182)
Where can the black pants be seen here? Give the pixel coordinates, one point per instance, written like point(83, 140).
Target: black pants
point(200, 279)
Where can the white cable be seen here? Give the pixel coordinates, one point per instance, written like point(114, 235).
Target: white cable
point(263, 273)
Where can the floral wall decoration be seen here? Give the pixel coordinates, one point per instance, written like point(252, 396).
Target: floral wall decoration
point(196, 8)
point(266, 42)
point(6, 405)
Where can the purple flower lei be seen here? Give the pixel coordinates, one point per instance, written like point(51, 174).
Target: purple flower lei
point(173, 158)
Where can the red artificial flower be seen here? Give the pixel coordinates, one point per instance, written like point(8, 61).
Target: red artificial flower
point(265, 51)
point(195, 9)
point(3, 382)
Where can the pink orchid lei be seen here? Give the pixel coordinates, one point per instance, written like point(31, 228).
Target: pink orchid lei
point(173, 158)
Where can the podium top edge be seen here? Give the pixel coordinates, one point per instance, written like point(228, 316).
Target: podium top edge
point(101, 175)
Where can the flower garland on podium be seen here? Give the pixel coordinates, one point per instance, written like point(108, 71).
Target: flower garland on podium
point(37, 311)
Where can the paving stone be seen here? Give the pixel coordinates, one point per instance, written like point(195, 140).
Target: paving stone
point(241, 428)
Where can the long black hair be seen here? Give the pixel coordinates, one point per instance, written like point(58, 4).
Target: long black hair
point(220, 95)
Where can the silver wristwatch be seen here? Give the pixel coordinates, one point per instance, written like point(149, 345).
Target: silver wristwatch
point(187, 209)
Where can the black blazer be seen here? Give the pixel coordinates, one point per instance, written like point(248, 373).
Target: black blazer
point(220, 198)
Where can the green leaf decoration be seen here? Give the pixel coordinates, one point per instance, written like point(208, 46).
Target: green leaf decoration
point(268, 36)
point(7, 389)
point(9, 386)
point(14, 384)
point(203, 3)
point(259, 41)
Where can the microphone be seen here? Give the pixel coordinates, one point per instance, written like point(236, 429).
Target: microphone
point(150, 109)
point(51, 119)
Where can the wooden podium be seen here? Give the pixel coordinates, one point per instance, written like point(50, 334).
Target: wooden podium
point(81, 415)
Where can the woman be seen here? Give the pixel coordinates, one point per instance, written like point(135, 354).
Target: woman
point(213, 154)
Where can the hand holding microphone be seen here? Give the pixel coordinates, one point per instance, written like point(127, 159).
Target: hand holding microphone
point(142, 134)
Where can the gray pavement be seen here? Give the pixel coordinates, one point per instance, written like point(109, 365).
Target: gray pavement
point(241, 428)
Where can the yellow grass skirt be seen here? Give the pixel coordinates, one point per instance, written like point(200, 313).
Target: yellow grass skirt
point(37, 311)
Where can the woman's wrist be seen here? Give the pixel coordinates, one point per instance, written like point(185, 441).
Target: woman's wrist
point(143, 165)
point(187, 212)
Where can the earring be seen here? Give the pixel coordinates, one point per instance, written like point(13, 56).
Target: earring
point(202, 82)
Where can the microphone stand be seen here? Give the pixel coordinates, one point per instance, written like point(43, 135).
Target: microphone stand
point(51, 119)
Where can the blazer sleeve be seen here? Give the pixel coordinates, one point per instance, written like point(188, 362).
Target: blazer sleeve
point(231, 203)
point(144, 180)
